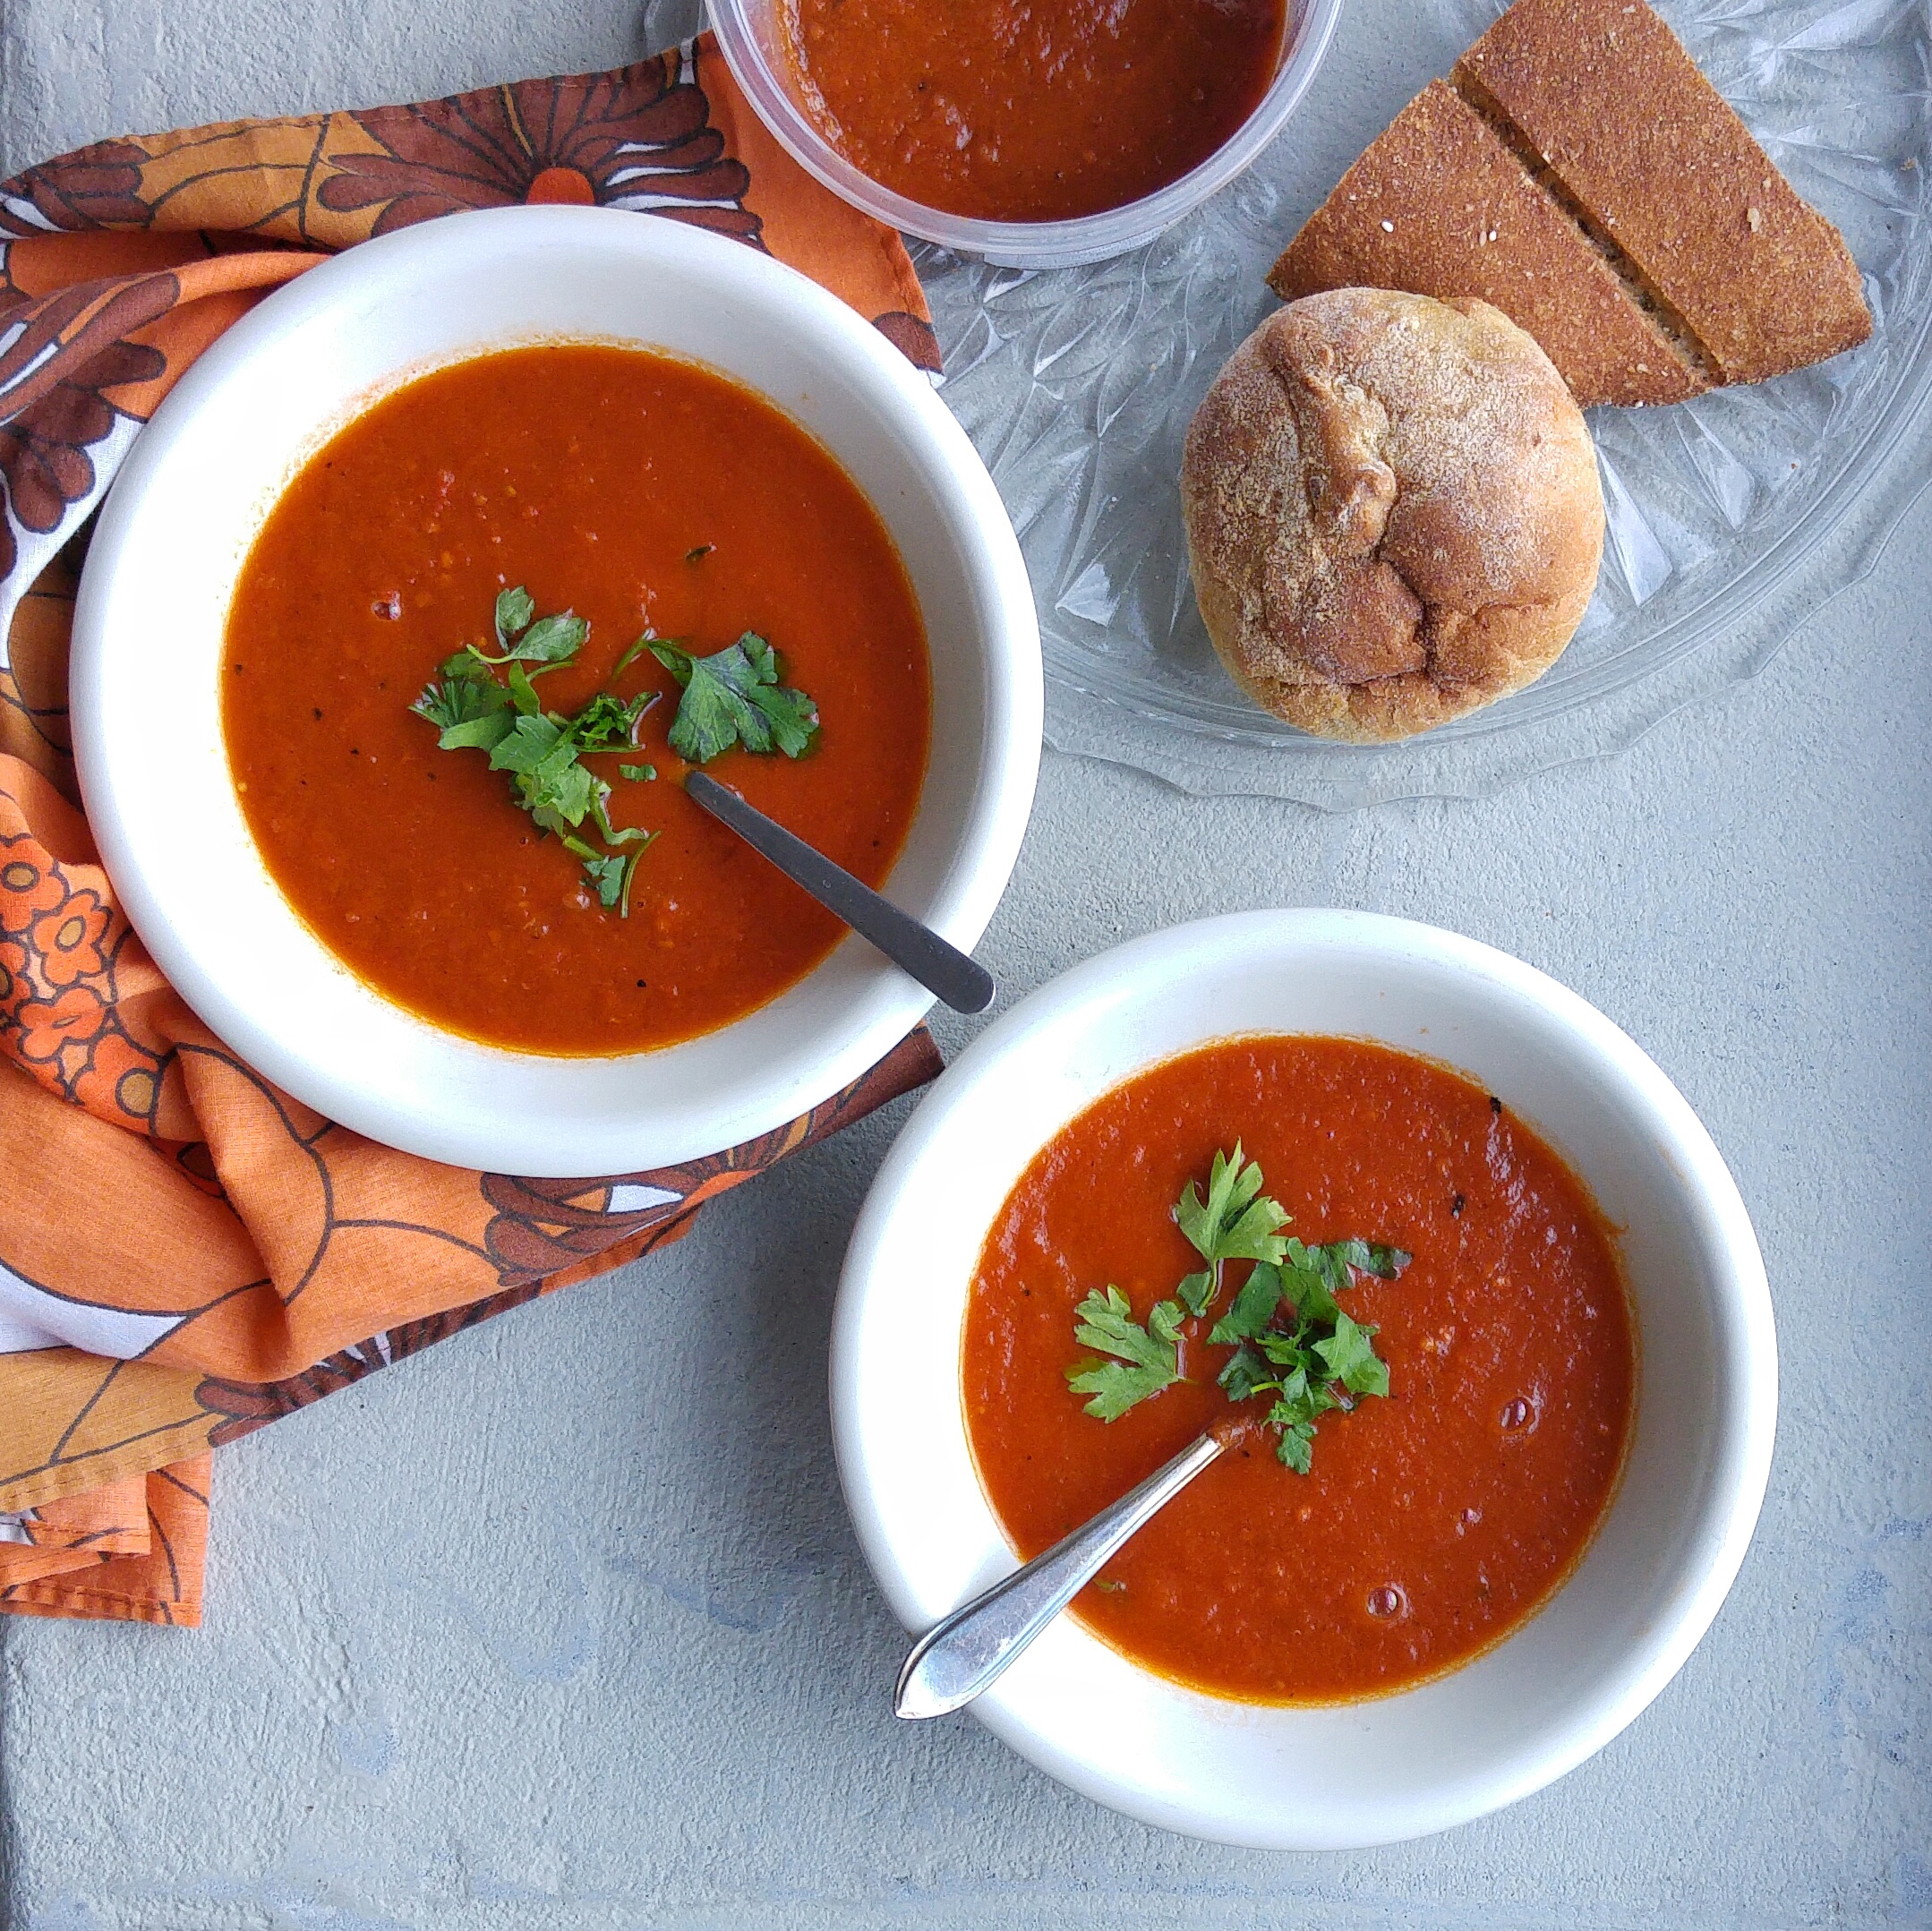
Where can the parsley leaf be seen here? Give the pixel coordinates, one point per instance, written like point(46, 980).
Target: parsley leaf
point(1350, 1357)
point(1295, 1447)
point(1147, 1359)
point(549, 782)
point(1310, 1279)
point(1197, 1290)
point(1235, 1222)
point(527, 743)
point(637, 773)
point(550, 640)
point(734, 698)
point(1289, 1335)
point(478, 734)
point(1232, 1223)
point(1306, 1357)
point(611, 872)
point(608, 721)
point(1245, 1374)
point(468, 706)
point(540, 749)
point(513, 612)
point(1255, 1306)
point(523, 692)
point(1386, 1263)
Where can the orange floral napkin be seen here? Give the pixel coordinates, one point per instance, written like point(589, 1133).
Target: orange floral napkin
point(185, 1252)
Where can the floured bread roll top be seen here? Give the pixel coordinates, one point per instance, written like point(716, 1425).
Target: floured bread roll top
point(1393, 514)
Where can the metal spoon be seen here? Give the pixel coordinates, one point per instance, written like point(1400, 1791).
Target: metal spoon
point(943, 969)
point(957, 1658)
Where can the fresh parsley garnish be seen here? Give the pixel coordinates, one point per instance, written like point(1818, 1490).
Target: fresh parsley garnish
point(1292, 1340)
point(1289, 1335)
point(522, 637)
point(470, 707)
point(516, 611)
point(611, 872)
point(1146, 1359)
point(1234, 1223)
point(732, 698)
point(475, 710)
point(735, 697)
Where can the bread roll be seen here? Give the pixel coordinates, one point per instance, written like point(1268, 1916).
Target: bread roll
point(1393, 514)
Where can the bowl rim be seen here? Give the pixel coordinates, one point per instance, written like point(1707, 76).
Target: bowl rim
point(1689, 1597)
point(887, 1005)
point(1027, 244)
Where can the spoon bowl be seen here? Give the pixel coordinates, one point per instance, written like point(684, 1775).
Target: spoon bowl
point(968, 1653)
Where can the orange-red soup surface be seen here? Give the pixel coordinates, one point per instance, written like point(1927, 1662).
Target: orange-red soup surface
point(1434, 1521)
point(1030, 110)
point(587, 473)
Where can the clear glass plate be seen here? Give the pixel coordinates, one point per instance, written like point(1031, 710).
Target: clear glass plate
point(1077, 386)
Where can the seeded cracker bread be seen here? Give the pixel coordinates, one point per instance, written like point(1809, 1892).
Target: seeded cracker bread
point(1604, 92)
point(1392, 510)
point(1635, 226)
point(1440, 205)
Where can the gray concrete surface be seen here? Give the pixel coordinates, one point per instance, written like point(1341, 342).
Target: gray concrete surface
point(561, 1624)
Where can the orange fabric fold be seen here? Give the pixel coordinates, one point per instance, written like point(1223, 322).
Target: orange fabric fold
point(130, 1550)
point(187, 1253)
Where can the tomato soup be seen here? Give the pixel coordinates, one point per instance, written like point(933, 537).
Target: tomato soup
point(1030, 110)
point(643, 493)
point(1433, 1522)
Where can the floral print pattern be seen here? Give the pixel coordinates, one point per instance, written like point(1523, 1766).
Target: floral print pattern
point(95, 187)
point(173, 1284)
point(59, 358)
point(59, 941)
point(541, 1225)
point(638, 138)
point(67, 939)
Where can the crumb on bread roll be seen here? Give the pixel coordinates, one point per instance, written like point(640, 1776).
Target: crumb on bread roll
point(1393, 514)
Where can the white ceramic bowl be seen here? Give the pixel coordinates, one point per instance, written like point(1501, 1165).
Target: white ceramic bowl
point(749, 33)
point(148, 640)
point(1570, 1680)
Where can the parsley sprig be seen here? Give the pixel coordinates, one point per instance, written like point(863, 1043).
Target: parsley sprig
point(1235, 1222)
point(1290, 1337)
point(1146, 1359)
point(733, 697)
point(475, 710)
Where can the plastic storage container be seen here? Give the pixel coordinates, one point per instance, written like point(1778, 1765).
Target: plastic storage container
point(748, 32)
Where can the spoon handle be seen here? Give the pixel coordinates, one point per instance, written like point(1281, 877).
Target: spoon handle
point(943, 969)
point(957, 1658)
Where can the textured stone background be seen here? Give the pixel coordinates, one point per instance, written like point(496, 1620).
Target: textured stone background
point(562, 1626)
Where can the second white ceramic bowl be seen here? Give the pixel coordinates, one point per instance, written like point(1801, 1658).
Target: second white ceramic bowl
point(1570, 1678)
point(148, 645)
